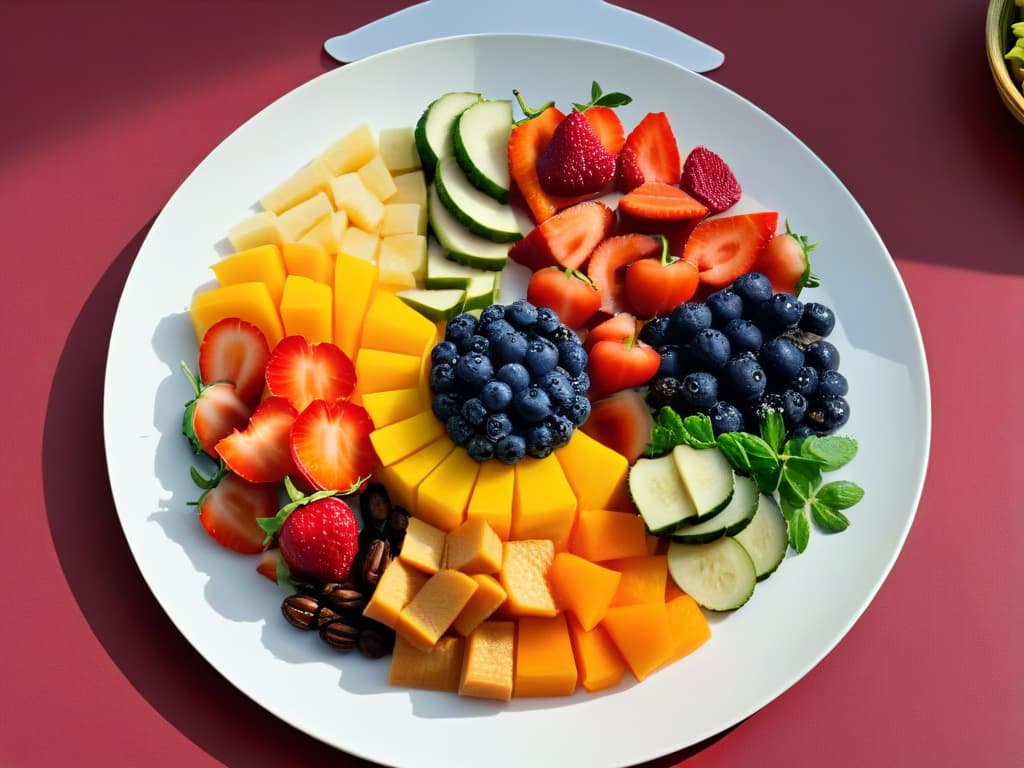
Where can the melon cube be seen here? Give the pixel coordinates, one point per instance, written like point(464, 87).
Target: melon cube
point(410, 188)
point(377, 178)
point(310, 261)
point(544, 506)
point(688, 625)
point(394, 326)
point(246, 301)
point(378, 371)
point(354, 149)
point(596, 473)
point(583, 588)
point(434, 607)
point(404, 476)
point(487, 667)
point(353, 197)
point(438, 669)
point(259, 229)
point(481, 606)
point(643, 579)
point(603, 534)
point(262, 264)
point(403, 438)
point(423, 546)
point(297, 221)
point(545, 664)
point(403, 219)
point(492, 497)
point(443, 495)
point(328, 232)
point(398, 150)
point(524, 577)
point(642, 635)
point(306, 309)
point(362, 245)
point(355, 283)
point(397, 586)
point(473, 548)
point(598, 661)
point(302, 185)
point(393, 405)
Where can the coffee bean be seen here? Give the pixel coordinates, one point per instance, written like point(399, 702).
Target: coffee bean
point(301, 611)
point(340, 635)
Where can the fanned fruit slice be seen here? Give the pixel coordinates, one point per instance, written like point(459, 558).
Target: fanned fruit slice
point(236, 351)
point(301, 372)
point(662, 202)
point(565, 239)
point(330, 444)
point(725, 248)
point(612, 256)
point(228, 510)
point(260, 452)
point(649, 154)
point(214, 412)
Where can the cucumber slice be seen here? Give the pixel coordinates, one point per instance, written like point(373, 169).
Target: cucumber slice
point(481, 291)
point(766, 537)
point(719, 574)
point(433, 133)
point(442, 304)
point(480, 138)
point(734, 518)
point(707, 477)
point(443, 272)
point(459, 243)
point(477, 211)
point(658, 493)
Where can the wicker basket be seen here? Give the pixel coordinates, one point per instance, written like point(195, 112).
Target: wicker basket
point(998, 40)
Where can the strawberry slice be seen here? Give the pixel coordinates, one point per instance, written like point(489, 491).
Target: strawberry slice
point(229, 507)
point(723, 249)
point(260, 453)
point(525, 144)
point(567, 291)
point(301, 372)
point(608, 261)
point(618, 365)
point(616, 328)
point(661, 202)
point(785, 261)
point(214, 413)
point(236, 351)
point(622, 421)
point(707, 178)
point(605, 123)
point(330, 444)
point(649, 154)
point(675, 232)
point(565, 239)
point(267, 566)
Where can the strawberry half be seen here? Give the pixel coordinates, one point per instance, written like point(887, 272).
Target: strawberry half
point(567, 291)
point(236, 351)
point(229, 509)
point(214, 413)
point(655, 200)
point(330, 444)
point(607, 127)
point(649, 154)
point(723, 249)
point(260, 453)
point(785, 261)
point(565, 239)
point(609, 260)
point(525, 144)
point(707, 178)
point(301, 372)
point(575, 162)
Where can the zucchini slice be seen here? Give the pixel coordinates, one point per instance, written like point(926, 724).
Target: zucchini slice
point(477, 211)
point(734, 518)
point(459, 243)
point(658, 493)
point(719, 574)
point(480, 139)
point(433, 133)
point(766, 537)
point(707, 477)
point(440, 304)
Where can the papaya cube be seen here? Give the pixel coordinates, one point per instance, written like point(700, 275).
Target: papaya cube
point(352, 196)
point(393, 326)
point(492, 497)
point(434, 607)
point(443, 495)
point(355, 283)
point(362, 245)
point(688, 625)
point(394, 405)
point(596, 473)
point(262, 264)
point(259, 229)
point(327, 234)
point(297, 221)
point(377, 178)
point(487, 667)
point(598, 661)
point(544, 506)
point(423, 546)
point(306, 309)
point(246, 301)
point(403, 438)
point(438, 669)
point(305, 183)
point(642, 634)
point(603, 534)
point(398, 150)
point(481, 606)
point(308, 260)
point(583, 588)
point(403, 477)
point(355, 148)
point(405, 251)
point(545, 664)
point(643, 579)
point(410, 188)
point(524, 577)
point(403, 219)
point(378, 371)
point(397, 586)
point(473, 547)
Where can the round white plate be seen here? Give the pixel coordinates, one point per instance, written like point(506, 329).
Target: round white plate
point(231, 615)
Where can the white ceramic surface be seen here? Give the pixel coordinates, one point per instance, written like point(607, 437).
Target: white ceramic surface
point(232, 616)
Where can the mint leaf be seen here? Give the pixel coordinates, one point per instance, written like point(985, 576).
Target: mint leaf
point(831, 452)
point(600, 99)
point(773, 430)
point(797, 525)
point(840, 494)
point(798, 481)
point(698, 431)
point(828, 519)
point(667, 433)
point(751, 455)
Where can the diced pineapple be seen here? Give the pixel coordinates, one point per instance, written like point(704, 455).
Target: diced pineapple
point(304, 184)
point(398, 148)
point(259, 229)
point(362, 245)
point(297, 221)
point(351, 151)
point(377, 178)
point(363, 207)
point(328, 233)
point(395, 274)
point(407, 250)
point(403, 219)
point(410, 188)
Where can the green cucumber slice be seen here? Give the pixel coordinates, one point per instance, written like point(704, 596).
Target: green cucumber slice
point(480, 291)
point(480, 139)
point(433, 132)
point(442, 304)
point(459, 243)
point(719, 574)
point(707, 477)
point(658, 494)
point(443, 272)
point(735, 517)
point(766, 537)
point(477, 211)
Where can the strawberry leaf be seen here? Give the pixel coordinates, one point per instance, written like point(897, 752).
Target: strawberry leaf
point(600, 99)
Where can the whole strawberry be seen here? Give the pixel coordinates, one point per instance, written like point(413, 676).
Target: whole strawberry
point(575, 162)
point(707, 178)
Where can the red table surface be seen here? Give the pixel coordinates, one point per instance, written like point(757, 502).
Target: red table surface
point(108, 106)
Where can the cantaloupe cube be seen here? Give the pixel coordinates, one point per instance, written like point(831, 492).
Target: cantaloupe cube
point(688, 625)
point(407, 250)
point(524, 577)
point(310, 261)
point(598, 661)
point(355, 283)
point(443, 495)
point(438, 669)
point(434, 607)
point(643, 579)
point(388, 407)
point(545, 664)
point(353, 197)
point(481, 606)
point(603, 534)
point(641, 633)
point(328, 233)
point(247, 301)
point(672, 590)
point(259, 229)
point(403, 477)
point(262, 264)
point(583, 588)
point(393, 326)
point(403, 219)
point(487, 667)
point(398, 150)
point(403, 438)
point(410, 188)
point(362, 245)
point(596, 473)
point(355, 148)
point(378, 371)
point(492, 497)
point(298, 220)
point(308, 181)
point(544, 506)
point(423, 546)
point(306, 309)
point(473, 547)
point(397, 586)
point(377, 178)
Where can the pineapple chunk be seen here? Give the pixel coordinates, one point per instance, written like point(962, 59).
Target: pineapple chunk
point(328, 233)
point(398, 148)
point(306, 182)
point(410, 188)
point(377, 178)
point(353, 150)
point(259, 229)
point(363, 207)
point(297, 221)
point(403, 219)
point(362, 245)
point(408, 250)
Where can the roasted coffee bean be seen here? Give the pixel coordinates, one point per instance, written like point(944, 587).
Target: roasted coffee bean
point(340, 635)
point(376, 641)
point(343, 597)
point(374, 506)
point(375, 560)
point(398, 522)
point(301, 611)
point(326, 616)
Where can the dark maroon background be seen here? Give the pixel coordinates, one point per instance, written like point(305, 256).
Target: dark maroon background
point(107, 106)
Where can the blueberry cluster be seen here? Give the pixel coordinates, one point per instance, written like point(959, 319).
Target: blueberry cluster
point(511, 384)
point(744, 350)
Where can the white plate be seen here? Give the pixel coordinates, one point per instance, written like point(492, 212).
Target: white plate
point(231, 615)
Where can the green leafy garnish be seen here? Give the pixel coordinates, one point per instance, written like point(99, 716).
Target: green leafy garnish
point(600, 99)
point(808, 279)
point(670, 430)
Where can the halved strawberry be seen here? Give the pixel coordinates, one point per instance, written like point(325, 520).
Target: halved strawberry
point(608, 261)
point(330, 444)
point(567, 291)
point(649, 154)
point(525, 144)
point(617, 365)
point(622, 421)
point(565, 239)
point(236, 351)
point(661, 202)
point(606, 124)
point(675, 232)
point(301, 372)
point(710, 180)
point(229, 507)
point(785, 262)
point(260, 453)
point(725, 248)
point(575, 162)
point(214, 413)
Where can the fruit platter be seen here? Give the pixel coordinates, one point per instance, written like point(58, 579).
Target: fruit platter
point(565, 408)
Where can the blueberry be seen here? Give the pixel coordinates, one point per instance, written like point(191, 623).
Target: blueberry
point(522, 314)
point(672, 362)
point(725, 417)
point(780, 313)
point(725, 306)
point(480, 448)
point(563, 333)
point(817, 319)
point(541, 356)
point(515, 375)
point(460, 327)
point(578, 411)
point(699, 390)
point(510, 449)
point(744, 378)
point(709, 350)
point(743, 335)
point(496, 395)
point(459, 430)
point(532, 404)
point(572, 356)
point(581, 383)
point(474, 411)
point(476, 343)
point(806, 381)
point(442, 377)
point(558, 387)
point(689, 319)
point(446, 404)
point(753, 289)
point(827, 414)
point(497, 426)
point(546, 322)
point(474, 370)
point(495, 329)
point(561, 428)
point(444, 352)
point(491, 313)
point(781, 360)
point(823, 355)
point(509, 347)
point(833, 384)
point(664, 391)
point(539, 441)
point(657, 332)
point(789, 404)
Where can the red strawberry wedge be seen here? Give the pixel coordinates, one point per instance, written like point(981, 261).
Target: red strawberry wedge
point(655, 200)
point(607, 126)
point(575, 162)
point(725, 248)
point(785, 262)
point(609, 261)
point(236, 351)
point(301, 372)
point(214, 413)
point(649, 154)
point(261, 452)
point(707, 178)
point(229, 508)
point(525, 144)
point(565, 239)
point(330, 444)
